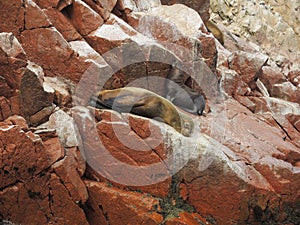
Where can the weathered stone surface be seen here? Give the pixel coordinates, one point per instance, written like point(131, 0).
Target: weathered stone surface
point(102, 7)
point(270, 76)
point(202, 6)
point(54, 53)
point(62, 90)
point(41, 116)
point(294, 77)
point(140, 5)
point(34, 96)
point(12, 15)
point(11, 46)
point(66, 170)
point(286, 91)
point(247, 65)
point(62, 24)
point(44, 4)
point(34, 16)
point(5, 110)
point(19, 121)
point(185, 218)
point(246, 146)
point(86, 52)
point(127, 52)
point(135, 147)
point(169, 24)
point(20, 163)
point(261, 23)
point(65, 128)
point(61, 200)
point(63, 4)
point(133, 208)
point(232, 83)
point(84, 18)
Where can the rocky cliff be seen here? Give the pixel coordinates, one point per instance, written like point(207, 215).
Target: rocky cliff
point(65, 162)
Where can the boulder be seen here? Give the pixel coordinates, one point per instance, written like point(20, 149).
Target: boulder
point(102, 7)
point(63, 24)
point(202, 6)
point(177, 25)
point(53, 54)
point(32, 10)
point(12, 16)
point(286, 91)
point(34, 95)
point(103, 200)
point(247, 65)
point(84, 18)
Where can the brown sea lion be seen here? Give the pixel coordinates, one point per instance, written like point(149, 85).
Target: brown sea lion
point(215, 30)
point(181, 95)
point(145, 103)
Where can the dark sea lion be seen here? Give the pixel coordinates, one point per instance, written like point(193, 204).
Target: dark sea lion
point(182, 95)
point(145, 103)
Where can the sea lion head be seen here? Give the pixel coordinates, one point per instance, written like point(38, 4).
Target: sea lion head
point(187, 126)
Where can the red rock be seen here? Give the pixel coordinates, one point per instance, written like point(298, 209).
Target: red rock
point(5, 90)
point(41, 116)
point(285, 91)
point(294, 77)
point(133, 208)
point(15, 104)
point(34, 96)
point(44, 4)
point(62, 24)
point(63, 4)
point(251, 141)
point(18, 120)
point(11, 71)
point(245, 101)
point(87, 53)
point(289, 129)
point(66, 170)
point(84, 18)
point(62, 200)
point(295, 120)
point(270, 76)
point(163, 22)
point(53, 54)
point(21, 200)
point(232, 83)
point(5, 110)
point(12, 16)
point(102, 7)
point(185, 218)
point(139, 154)
point(247, 65)
point(18, 165)
point(62, 95)
point(34, 16)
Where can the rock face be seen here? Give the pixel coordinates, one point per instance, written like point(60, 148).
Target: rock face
point(268, 23)
point(64, 162)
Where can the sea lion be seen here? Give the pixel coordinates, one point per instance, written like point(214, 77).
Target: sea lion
point(182, 95)
point(215, 30)
point(145, 103)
